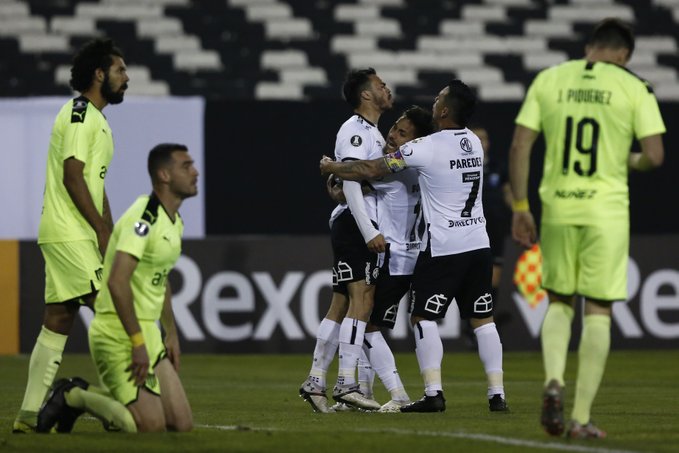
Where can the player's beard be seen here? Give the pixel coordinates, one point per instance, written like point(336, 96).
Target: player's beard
point(109, 95)
point(386, 103)
point(185, 192)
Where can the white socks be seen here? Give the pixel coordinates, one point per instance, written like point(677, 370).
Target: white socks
point(490, 352)
point(366, 374)
point(429, 351)
point(327, 340)
point(351, 342)
point(383, 363)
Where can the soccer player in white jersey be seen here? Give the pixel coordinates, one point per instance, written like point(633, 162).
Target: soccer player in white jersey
point(455, 261)
point(356, 245)
point(398, 207)
point(398, 213)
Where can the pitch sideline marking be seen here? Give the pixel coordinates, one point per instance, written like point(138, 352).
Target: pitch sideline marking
point(458, 435)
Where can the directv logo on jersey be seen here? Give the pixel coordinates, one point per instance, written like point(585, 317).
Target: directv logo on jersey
point(466, 222)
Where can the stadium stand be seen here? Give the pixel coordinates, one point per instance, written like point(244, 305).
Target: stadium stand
point(282, 49)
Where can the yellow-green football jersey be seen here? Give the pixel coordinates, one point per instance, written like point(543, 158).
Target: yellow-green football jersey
point(81, 131)
point(589, 114)
point(147, 233)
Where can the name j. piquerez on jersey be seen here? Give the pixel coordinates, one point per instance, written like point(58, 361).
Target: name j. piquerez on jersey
point(589, 113)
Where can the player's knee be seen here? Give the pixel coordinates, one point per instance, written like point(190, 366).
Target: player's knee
point(478, 322)
point(182, 425)
point(59, 321)
point(151, 425)
point(150, 422)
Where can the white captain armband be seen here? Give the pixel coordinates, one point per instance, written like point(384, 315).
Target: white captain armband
point(395, 162)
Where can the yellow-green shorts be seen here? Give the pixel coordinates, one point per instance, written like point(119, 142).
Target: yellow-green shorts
point(72, 269)
point(588, 260)
point(111, 350)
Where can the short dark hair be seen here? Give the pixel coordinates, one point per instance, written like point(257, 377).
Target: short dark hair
point(612, 33)
point(354, 83)
point(161, 156)
point(95, 54)
point(461, 100)
point(421, 119)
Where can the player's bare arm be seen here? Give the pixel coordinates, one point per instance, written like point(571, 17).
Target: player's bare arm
point(76, 186)
point(524, 230)
point(355, 170)
point(108, 217)
point(119, 285)
point(171, 339)
point(651, 156)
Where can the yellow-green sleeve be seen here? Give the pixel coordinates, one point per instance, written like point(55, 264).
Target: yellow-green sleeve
point(134, 237)
point(529, 115)
point(78, 141)
point(647, 118)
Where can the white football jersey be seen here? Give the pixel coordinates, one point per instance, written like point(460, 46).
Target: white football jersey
point(449, 164)
point(358, 139)
point(398, 211)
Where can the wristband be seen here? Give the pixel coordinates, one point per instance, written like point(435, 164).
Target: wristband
point(520, 205)
point(137, 339)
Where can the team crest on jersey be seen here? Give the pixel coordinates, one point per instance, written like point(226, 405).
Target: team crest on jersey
point(466, 145)
point(356, 140)
point(141, 228)
point(407, 150)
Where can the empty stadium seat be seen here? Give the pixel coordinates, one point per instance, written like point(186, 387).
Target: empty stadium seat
point(282, 49)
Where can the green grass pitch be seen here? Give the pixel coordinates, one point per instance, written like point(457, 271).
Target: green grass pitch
point(249, 403)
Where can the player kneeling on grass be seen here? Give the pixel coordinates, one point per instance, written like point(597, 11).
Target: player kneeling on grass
point(133, 361)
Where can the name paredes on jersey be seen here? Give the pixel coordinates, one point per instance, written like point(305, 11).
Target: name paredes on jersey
point(469, 162)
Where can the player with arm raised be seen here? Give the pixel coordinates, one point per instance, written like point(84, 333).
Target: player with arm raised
point(399, 211)
point(455, 261)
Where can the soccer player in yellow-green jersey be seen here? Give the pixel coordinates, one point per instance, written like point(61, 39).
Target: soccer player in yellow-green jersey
point(76, 221)
point(80, 132)
point(590, 111)
point(147, 233)
point(133, 359)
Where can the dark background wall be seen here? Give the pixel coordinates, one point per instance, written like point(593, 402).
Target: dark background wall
point(262, 166)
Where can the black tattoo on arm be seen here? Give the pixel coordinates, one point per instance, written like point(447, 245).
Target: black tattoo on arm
point(358, 170)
